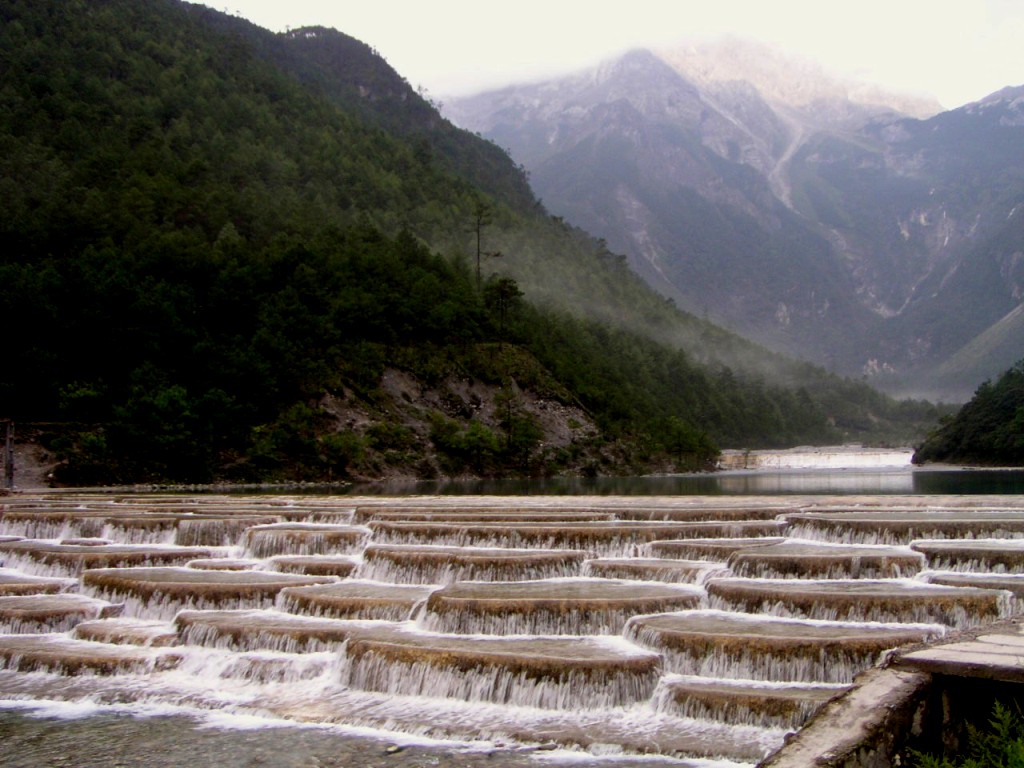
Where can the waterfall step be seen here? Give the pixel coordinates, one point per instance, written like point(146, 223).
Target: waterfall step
point(725, 644)
point(602, 537)
point(217, 530)
point(225, 564)
point(432, 564)
point(653, 569)
point(973, 554)
point(547, 672)
point(804, 559)
point(21, 614)
point(480, 514)
point(69, 656)
point(135, 525)
point(159, 593)
point(315, 565)
point(890, 527)
point(356, 600)
point(251, 630)
point(81, 523)
point(127, 631)
point(745, 702)
point(861, 600)
point(609, 732)
point(1010, 582)
point(711, 512)
point(73, 558)
point(327, 514)
point(397, 659)
point(587, 606)
point(14, 582)
point(450, 513)
point(709, 548)
point(304, 539)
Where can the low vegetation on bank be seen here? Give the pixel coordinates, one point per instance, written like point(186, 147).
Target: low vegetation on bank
point(1000, 745)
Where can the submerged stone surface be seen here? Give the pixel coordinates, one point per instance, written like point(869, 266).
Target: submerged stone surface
point(304, 539)
point(550, 606)
point(161, 592)
point(886, 527)
point(603, 537)
point(50, 612)
point(761, 647)
point(356, 600)
point(73, 558)
point(863, 600)
point(13, 582)
point(748, 702)
point(251, 630)
point(1001, 555)
point(710, 548)
point(57, 653)
point(654, 569)
point(554, 673)
point(315, 565)
point(814, 560)
point(427, 564)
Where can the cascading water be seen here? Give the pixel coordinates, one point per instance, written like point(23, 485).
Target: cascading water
point(304, 539)
point(550, 607)
point(444, 565)
point(545, 672)
point(745, 702)
point(687, 628)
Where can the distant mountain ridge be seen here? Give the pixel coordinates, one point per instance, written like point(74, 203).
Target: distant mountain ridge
point(783, 79)
point(867, 231)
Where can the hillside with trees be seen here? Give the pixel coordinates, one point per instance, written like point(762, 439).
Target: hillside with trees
point(221, 265)
point(988, 431)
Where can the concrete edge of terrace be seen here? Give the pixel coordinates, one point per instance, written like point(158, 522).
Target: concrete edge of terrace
point(920, 699)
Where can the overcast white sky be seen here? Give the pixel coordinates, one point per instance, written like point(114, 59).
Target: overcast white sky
point(955, 50)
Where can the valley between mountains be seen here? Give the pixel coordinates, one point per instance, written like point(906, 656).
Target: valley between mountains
point(870, 232)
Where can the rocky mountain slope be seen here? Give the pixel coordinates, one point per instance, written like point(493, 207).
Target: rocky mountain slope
point(855, 228)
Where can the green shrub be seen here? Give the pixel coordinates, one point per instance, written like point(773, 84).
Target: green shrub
point(1000, 747)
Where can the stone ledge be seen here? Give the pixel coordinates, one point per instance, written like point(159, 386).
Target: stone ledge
point(860, 729)
point(995, 652)
point(918, 699)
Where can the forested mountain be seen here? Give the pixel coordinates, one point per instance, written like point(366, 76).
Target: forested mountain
point(988, 431)
point(230, 254)
point(811, 217)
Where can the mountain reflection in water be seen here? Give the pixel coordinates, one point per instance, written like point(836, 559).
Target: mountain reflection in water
point(890, 481)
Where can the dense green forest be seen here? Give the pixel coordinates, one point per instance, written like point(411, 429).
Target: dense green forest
point(223, 247)
point(988, 430)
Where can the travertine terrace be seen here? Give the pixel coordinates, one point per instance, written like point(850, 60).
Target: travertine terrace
point(687, 627)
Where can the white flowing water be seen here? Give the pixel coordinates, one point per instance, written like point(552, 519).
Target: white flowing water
point(603, 638)
point(852, 457)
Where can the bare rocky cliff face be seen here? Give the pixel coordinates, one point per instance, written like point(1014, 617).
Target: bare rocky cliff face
point(866, 231)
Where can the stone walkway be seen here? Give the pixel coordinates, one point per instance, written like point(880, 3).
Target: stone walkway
point(994, 654)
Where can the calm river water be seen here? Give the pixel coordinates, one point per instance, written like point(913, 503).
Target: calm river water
point(112, 740)
point(886, 481)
